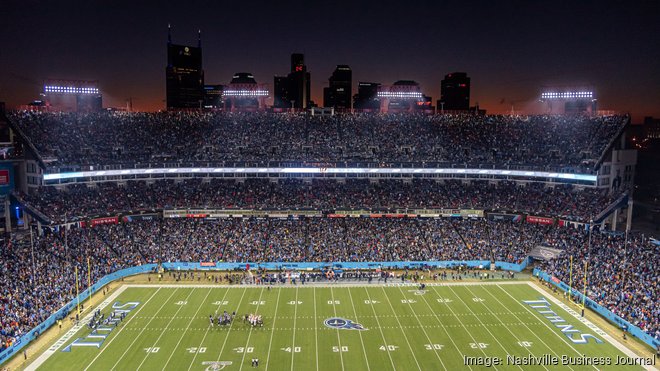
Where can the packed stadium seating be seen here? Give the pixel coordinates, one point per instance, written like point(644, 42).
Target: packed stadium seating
point(623, 277)
point(79, 200)
point(625, 282)
point(543, 142)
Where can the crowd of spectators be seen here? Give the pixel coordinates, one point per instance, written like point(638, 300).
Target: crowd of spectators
point(81, 200)
point(571, 143)
point(623, 279)
point(34, 283)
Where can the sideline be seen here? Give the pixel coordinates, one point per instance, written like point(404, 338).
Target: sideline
point(325, 284)
point(73, 331)
point(622, 348)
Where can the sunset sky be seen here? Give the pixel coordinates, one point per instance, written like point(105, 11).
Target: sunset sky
point(510, 49)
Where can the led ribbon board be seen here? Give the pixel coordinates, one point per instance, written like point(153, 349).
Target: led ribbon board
point(320, 170)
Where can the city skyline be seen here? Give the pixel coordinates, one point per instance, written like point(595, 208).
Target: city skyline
point(525, 47)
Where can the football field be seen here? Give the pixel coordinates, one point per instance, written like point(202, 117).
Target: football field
point(505, 325)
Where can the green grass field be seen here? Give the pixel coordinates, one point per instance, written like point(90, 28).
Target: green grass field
point(405, 329)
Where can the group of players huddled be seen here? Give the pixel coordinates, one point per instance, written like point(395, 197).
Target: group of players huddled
point(226, 319)
point(223, 319)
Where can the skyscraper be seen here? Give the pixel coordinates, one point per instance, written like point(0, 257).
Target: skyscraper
point(455, 92)
point(299, 87)
point(294, 90)
point(184, 74)
point(281, 92)
point(367, 96)
point(339, 92)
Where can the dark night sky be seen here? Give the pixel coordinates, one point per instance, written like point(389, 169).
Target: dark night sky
point(510, 49)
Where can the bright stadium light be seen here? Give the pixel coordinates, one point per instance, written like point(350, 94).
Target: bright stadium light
point(245, 93)
point(69, 90)
point(317, 170)
point(568, 95)
point(400, 94)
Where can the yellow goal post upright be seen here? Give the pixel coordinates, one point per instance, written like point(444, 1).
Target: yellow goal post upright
point(570, 280)
point(77, 293)
point(89, 284)
point(584, 295)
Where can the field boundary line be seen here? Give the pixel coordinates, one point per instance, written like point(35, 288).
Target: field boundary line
point(624, 349)
point(545, 324)
point(72, 331)
point(401, 328)
point(327, 284)
point(186, 330)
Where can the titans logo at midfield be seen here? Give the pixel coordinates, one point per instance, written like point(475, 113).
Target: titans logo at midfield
point(343, 324)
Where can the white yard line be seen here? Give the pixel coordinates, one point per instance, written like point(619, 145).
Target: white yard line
point(451, 338)
point(625, 350)
point(164, 330)
point(530, 330)
point(316, 334)
point(341, 357)
point(423, 330)
point(387, 349)
point(506, 327)
point(482, 324)
point(130, 347)
point(73, 331)
point(247, 343)
point(207, 330)
point(231, 326)
point(462, 325)
point(186, 330)
point(270, 342)
point(401, 328)
point(364, 349)
point(562, 338)
point(295, 315)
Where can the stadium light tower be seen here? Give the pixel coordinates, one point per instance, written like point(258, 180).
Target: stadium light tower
point(575, 100)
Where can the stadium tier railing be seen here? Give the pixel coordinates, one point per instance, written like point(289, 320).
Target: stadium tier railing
point(602, 311)
point(33, 334)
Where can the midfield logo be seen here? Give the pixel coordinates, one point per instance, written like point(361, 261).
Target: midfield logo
point(216, 365)
point(343, 324)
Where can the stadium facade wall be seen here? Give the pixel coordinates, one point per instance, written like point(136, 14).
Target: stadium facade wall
point(608, 315)
point(66, 309)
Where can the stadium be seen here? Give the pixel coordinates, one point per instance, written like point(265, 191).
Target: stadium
point(242, 226)
point(292, 233)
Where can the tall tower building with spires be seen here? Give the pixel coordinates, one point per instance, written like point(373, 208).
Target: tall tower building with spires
point(184, 76)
